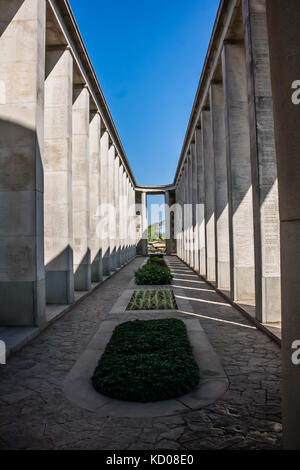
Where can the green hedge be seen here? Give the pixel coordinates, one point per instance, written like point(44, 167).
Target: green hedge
point(152, 274)
point(156, 260)
point(147, 360)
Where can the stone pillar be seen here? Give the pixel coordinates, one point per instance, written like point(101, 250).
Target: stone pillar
point(144, 224)
point(240, 206)
point(122, 215)
point(168, 223)
point(190, 211)
point(221, 189)
point(128, 219)
point(209, 184)
point(133, 221)
point(117, 212)
point(177, 218)
point(80, 166)
point(125, 216)
point(104, 196)
point(284, 40)
point(111, 201)
point(22, 74)
point(179, 198)
point(200, 215)
point(95, 242)
point(185, 213)
point(264, 168)
point(129, 222)
point(58, 212)
point(195, 208)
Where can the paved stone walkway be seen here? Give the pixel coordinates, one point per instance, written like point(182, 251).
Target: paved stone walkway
point(34, 413)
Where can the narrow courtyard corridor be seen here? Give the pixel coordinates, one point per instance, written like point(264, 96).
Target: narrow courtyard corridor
point(34, 412)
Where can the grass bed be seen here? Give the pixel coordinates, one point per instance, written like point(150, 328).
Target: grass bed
point(152, 300)
point(147, 360)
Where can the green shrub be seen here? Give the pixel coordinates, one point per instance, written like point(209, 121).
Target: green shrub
point(144, 299)
point(152, 274)
point(156, 260)
point(147, 361)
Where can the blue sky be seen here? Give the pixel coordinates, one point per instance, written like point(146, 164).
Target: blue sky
point(148, 56)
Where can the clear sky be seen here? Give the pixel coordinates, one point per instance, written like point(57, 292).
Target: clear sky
point(148, 56)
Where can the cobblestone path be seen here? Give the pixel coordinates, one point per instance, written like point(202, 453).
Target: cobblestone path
point(34, 413)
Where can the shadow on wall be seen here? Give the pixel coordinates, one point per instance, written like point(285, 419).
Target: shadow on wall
point(22, 272)
point(8, 12)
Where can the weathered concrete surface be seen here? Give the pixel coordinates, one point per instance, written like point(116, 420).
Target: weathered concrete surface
point(284, 39)
point(200, 201)
point(95, 182)
point(209, 184)
point(58, 207)
point(111, 202)
point(104, 199)
point(117, 209)
point(22, 273)
point(216, 94)
point(35, 414)
point(263, 159)
point(239, 171)
point(80, 184)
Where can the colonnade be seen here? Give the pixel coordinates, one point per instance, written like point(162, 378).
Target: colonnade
point(67, 215)
point(71, 212)
point(226, 180)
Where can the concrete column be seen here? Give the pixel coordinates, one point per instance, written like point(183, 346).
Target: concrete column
point(125, 216)
point(95, 241)
point(144, 224)
point(239, 174)
point(117, 211)
point(133, 221)
point(168, 222)
point(221, 188)
point(284, 40)
point(195, 208)
point(190, 211)
point(22, 58)
point(180, 217)
point(58, 212)
point(264, 168)
point(122, 214)
point(200, 215)
point(81, 203)
point(209, 184)
point(129, 222)
point(104, 196)
point(111, 201)
point(185, 213)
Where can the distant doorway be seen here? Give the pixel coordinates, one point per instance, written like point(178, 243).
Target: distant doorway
point(156, 242)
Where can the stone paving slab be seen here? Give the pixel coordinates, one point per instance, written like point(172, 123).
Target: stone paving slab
point(79, 390)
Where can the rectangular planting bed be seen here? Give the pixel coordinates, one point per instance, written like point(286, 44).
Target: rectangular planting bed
point(147, 360)
point(146, 299)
